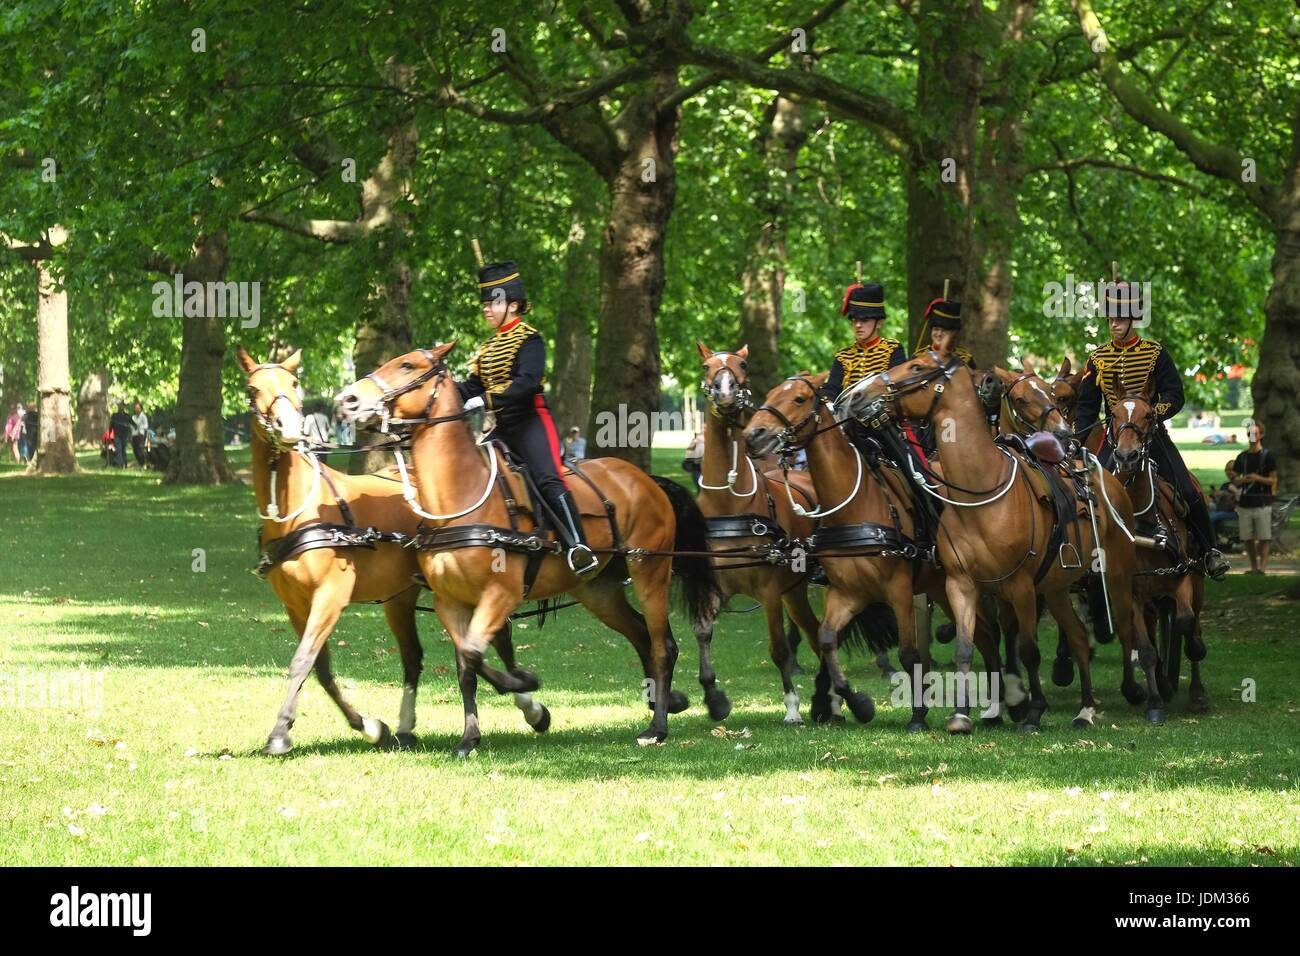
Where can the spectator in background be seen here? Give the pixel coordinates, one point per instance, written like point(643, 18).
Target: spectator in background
point(140, 436)
point(1223, 503)
point(31, 430)
point(1255, 472)
point(122, 427)
point(575, 446)
point(14, 431)
point(693, 464)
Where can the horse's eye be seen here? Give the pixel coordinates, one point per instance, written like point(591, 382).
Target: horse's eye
point(252, 393)
point(407, 366)
point(800, 400)
point(744, 366)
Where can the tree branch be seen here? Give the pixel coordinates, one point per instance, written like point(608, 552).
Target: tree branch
point(1099, 163)
point(1213, 158)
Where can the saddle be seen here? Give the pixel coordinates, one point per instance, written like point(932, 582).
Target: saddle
point(1065, 494)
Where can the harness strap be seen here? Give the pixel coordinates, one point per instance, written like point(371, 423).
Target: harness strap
point(315, 536)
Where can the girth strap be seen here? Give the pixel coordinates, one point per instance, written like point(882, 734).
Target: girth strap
point(862, 535)
point(483, 536)
point(315, 536)
point(743, 526)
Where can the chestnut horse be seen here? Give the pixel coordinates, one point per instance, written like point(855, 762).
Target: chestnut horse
point(995, 532)
point(857, 502)
point(316, 585)
point(1174, 598)
point(732, 486)
point(479, 584)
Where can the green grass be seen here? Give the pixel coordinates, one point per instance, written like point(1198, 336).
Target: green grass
point(97, 575)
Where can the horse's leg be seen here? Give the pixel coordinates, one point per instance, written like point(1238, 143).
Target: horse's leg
point(914, 658)
point(1025, 602)
point(840, 610)
point(1130, 620)
point(455, 617)
point(1144, 620)
point(490, 618)
point(1074, 633)
point(1198, 701)
point(400, 612)
point(963, 599)
point(327, 603)
point(805, 620)
point(375, 731)
point(778, 647)
point(535, 714)
point(987, 640)
point(651, 578)
point(1063, 665)
point(1013, 685)
point(715, 698)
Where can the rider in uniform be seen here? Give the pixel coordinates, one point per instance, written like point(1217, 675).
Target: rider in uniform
point(1136, 358)
point(507, 376)
point(943, 322)
point(870, 352)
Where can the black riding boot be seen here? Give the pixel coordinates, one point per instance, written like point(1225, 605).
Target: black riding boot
point(579, 556)
point(1198, 522)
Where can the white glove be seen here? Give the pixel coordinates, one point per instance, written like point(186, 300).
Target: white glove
point(473, 403)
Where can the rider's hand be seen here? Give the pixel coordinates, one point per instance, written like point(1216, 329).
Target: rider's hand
point(473, 403)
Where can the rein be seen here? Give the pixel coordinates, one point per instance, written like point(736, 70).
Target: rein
point(790, 440)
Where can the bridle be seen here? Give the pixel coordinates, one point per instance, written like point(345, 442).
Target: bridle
point(1144, 436)
point(732, 415)
point(269, 432)
point(279, 446)
point(896, 390)
point(1014, 412)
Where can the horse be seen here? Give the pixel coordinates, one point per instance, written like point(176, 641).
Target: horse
point(1065, 389)
point(987, 535)
point(1168, 585)
point(735, 506)
point(304, 502)
point(476, 561)
point(864, 544)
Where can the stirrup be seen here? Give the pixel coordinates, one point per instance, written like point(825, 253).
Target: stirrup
point(574, 553)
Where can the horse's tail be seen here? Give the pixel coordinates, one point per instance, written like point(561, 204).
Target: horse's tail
point(873, 629)
point(700, 591)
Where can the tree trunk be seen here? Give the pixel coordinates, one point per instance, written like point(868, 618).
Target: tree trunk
point(1276, 386)
point(199, 454)
point(643, 188)
point(763, 281)
point(92, 407)
point(54, 452)
point(940, 176)
point(574, 317)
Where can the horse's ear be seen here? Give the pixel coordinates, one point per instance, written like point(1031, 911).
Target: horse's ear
point(1065, 368)
point(743, 351)
point(292, 363)
point(1003, 375)
point(820, 380)
point(246, 361)
point(705, 351)
point(440, 351)
point(1024, 364)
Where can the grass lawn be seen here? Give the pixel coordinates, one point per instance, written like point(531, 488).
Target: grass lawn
point(96, 581)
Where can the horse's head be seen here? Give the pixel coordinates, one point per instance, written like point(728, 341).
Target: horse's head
point(1066, 389)
point(788, 417)
point(726, 380)
point(911, 389)
point(402, 389)
point(1132, 423)
point(273, 398)
point(1032, 403)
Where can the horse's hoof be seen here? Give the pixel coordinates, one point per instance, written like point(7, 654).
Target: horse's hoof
point(406, 741)
point(377, 732)
point(820, 709)
point(793, 720)
point(959, 724)
point(648, 738)
point(828, 718)
point(796, 670)
point(1082, 723)
point(1134, 693)
point(543, 725)
point(992, 721)
point(277, 746)
point(1029, 728)
point(719, 706)
point(677, 702)
point(944, 633)
point(1199, 704)
point(528, 679)
point(1019, 711)
point(1156, 715)
point(1196, 650)
point(467, 747)
point(862, 706)
point(1063, 672)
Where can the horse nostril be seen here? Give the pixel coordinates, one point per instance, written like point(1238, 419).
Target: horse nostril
point(347, 400)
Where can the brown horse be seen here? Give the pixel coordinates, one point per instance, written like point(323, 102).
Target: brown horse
point(996, 533)
point(479, 583)
point(866, 519)
point(1173, 599)
point(1065, 388)
point(316, 585)
point(730, 485)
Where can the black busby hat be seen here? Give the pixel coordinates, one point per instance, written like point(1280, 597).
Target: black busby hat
point(497, 278)
point(1121, 300)
point(864, 301)
point(944, 314)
